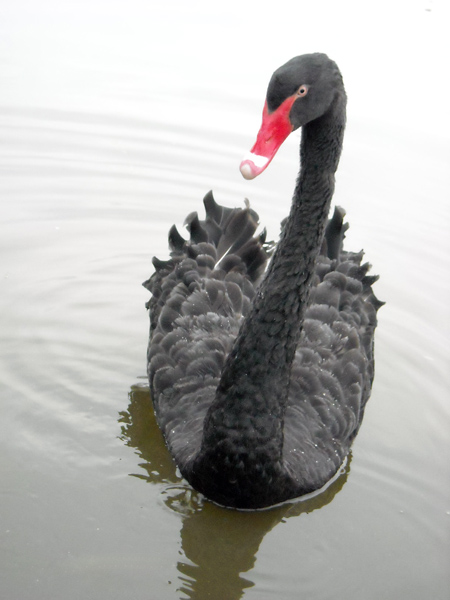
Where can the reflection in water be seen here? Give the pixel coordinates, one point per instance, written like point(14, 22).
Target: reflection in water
point(218, 543)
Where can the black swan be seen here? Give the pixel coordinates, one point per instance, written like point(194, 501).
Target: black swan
point(259, 377)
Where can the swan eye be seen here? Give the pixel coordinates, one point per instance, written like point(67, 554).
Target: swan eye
point(302, 91)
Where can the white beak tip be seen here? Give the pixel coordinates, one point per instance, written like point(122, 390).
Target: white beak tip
point(247, 171)
point(253, 164)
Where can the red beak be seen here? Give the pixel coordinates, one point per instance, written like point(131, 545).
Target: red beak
point(275, 128)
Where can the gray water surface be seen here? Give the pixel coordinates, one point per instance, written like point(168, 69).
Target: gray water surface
point(115, 120)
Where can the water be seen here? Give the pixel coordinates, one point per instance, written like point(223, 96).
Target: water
point(115, 120)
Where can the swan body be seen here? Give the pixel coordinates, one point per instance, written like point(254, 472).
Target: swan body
point(260, 360)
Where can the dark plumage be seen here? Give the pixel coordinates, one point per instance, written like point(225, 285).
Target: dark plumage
point(259, 376)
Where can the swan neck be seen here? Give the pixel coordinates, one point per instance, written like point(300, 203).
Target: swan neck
point(252, 395)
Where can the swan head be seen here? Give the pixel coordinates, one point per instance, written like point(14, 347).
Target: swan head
point(299, 92)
